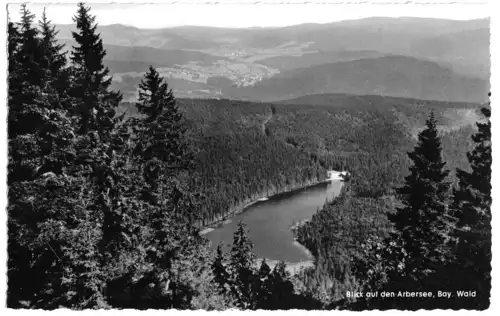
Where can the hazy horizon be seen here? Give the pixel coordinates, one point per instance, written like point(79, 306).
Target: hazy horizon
point(276, 27)
point(245, 16)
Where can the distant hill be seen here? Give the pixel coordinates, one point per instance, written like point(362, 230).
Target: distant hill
point(466, 52)
point(159, 56)
point(398, 76)
point(137, 58)
point(453, 50)
point(451, 115)
point(370, 101)
point(381, 34)
point(123, 35)
point(391, 35)
point(405, 57)
point(318, 58)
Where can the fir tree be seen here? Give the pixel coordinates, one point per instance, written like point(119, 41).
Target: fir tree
point(77, 220)
point(158, 153)
point(14, 78)
point(422, 222)
point(162, 130)
point(52, 234)
point(264, 269)
point(475, 187)
point(54, 59)
point(221, 276)
point(282, 288)
point(91, 84)
point(26, 77)
point(30, 53)
point(13, 41)
point(154, 95)
point(241, 262)
point(472, 208)
point(161, 146)
point(263, 285)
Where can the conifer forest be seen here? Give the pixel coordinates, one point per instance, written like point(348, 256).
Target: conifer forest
point(108, 195)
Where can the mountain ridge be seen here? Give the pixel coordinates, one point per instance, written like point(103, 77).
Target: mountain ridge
point(395, 75)
point(371, 19)
point(255, 57)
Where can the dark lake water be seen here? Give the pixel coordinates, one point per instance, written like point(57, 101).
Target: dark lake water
point(269, 221)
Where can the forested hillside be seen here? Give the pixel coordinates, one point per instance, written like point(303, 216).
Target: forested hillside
point(248, 150)
point(106, 199)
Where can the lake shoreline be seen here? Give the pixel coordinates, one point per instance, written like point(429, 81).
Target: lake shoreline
point(291, 267)
point(260, 198)
point(295, 267)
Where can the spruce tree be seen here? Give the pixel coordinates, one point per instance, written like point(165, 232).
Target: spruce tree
point(160, 157)
point(221, 276)
point(26, 76)
point(282, 288)
point(102, 148)
point(242, 260)
point(91, 82)
point(241, 251)
point(13, 41)
point(422, 222)
point(30, 54)
point(162, 129)
point(37, 160)
point(472, 208)
point(263, 285)
point(161, 145)
point(53, 62)
point(51, 232)
point(77, 219)
point(264, 269)
point(14, 78)
point(154, 95)
point(475, 187)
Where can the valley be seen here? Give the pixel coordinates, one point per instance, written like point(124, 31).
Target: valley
point(305, 138)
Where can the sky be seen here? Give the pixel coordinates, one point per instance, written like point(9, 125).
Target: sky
point(250, 15)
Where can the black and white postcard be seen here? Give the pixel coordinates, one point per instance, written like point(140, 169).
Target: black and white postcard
point(248, 156)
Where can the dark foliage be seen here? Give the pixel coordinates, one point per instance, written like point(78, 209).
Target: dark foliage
point(472, 209)
point(423, 221)
point(96, 104)
point(247, 285)
point(81, 233)
point(104, 211)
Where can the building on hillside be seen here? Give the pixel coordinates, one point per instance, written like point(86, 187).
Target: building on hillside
point(333, 175)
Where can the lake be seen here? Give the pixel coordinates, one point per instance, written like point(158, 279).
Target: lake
point(269, 221)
